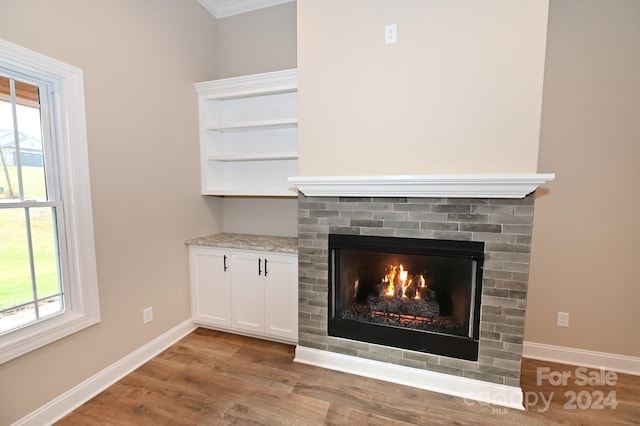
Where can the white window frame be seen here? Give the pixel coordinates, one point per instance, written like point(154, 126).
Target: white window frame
point(82, 307)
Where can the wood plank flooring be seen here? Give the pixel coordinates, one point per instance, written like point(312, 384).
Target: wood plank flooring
point(215, 378)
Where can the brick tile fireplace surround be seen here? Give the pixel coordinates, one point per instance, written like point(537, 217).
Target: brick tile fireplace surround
point(503, 224)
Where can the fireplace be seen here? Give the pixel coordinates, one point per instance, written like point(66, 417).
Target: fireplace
point(493, 210)
point(417, 294)
point(503, 225)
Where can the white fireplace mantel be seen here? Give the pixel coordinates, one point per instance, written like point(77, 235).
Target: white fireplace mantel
point(441, 186)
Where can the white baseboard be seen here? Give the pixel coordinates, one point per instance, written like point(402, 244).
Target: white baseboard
point(563, 355)
point(469, 389)
point(59, 407)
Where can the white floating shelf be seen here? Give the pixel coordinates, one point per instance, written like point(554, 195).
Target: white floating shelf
point(256, 125)
point(451, 186)
point(255, 157)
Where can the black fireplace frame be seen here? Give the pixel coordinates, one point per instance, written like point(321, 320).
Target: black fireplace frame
point(461, 347)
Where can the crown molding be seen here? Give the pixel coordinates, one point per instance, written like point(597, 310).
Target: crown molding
point(453, 185)
point(224, 8)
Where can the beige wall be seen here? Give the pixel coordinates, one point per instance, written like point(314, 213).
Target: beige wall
point(260, 41)
point(140, 59)
point(585, 243)
point(460, 92)
point(250, 43)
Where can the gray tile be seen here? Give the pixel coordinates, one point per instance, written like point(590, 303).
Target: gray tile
point(341, 350)
point(507, 247)
point(510, 329)
point(428, 217)
point(390, 215)
point(440, 226)
point(421, 365)
point(370, 223)
point(313, 345)
point(379, 232)
point(356, 214)
point(492, 209)
point(511, 220)
point(451, 208)
point(396, 224)
point(490, 335)
point(468, 218)
point(459, 236)
point(412, 233)
point(481, 227)
point(483, 376)
point(518, 229)
point(373, 356)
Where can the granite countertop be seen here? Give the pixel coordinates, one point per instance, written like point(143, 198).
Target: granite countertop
point(248, 242)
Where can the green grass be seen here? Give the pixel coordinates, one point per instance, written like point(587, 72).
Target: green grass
point(15, 275)
point(32, 180)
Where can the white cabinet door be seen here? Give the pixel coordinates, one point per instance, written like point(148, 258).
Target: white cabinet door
point(281, 295)
point(247, 291)
point(210, 285)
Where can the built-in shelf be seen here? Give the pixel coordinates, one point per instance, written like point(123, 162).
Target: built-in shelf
point(249, 134)
point(453, 185)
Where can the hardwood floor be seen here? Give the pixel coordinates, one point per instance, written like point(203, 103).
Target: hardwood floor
point(214, 378)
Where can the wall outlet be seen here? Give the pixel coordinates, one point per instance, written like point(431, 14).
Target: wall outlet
point(563, 319)
point(147, 315)
point(390, 33)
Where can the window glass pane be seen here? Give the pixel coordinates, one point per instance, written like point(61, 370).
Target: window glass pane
point(21, 160)
point(44, 251)
point(15, 279)
point(31, 158)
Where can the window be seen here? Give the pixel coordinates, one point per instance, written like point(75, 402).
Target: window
point(48, 280)
point(30, 283)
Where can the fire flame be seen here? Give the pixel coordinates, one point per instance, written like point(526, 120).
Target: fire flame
point(398, 278)
point(421, 284)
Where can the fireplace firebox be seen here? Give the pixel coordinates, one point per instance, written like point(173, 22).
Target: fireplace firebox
point(417, 294)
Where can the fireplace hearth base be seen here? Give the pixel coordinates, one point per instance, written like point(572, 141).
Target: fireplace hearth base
point(469, 389)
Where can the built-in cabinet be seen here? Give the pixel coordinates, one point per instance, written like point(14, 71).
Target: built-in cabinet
point(245, 291)
point(249, 134)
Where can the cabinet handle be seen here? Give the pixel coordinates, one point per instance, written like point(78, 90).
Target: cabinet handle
point(265, 267)
point(224, 263)
point(259, 266)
